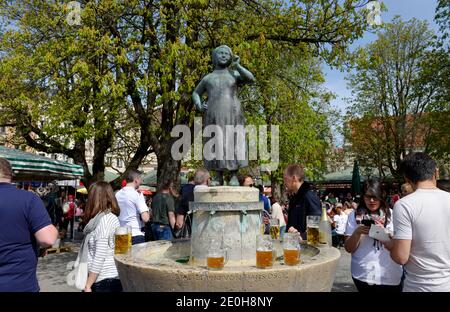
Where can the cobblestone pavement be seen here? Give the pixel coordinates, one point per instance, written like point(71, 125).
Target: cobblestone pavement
point(343, 280)
point(52, 272)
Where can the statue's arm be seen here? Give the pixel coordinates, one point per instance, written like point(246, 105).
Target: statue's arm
point(196, 95)
point(245, 76)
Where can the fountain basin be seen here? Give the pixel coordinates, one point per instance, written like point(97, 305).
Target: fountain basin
point(162, 266)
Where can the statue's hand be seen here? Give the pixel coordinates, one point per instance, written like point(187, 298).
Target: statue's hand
point(204, 106)
point(200, 106)
point(236, 60)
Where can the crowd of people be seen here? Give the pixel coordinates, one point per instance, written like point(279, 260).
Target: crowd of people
point(62, 206)
point(416, 257)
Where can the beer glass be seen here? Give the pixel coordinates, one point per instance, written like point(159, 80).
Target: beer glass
point(264, 251)
point(122, 240)
point(291, 248)
point(274, 229)
point(216, 256)
point(262, 229)
point(312, 230)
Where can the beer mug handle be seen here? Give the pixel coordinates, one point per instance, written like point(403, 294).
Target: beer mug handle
point(225, 254)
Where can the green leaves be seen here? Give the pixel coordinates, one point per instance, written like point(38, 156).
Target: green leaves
point(397, 85)
point(128, 71)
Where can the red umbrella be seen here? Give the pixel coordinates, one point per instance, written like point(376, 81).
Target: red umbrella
point(145, 192)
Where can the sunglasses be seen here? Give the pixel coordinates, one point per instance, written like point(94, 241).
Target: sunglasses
point(371, 197)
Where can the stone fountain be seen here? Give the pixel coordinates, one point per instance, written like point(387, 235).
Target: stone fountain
point(234, 212)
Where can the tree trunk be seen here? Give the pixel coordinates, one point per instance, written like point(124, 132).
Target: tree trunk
point(79, 157)
point(168, 168)
point(142, 151)
point(278, 190)
point(276, 187)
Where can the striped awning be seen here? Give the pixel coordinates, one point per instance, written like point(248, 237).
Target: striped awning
point(29, 167)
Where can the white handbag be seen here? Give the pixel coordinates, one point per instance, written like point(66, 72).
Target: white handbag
point(78, 276)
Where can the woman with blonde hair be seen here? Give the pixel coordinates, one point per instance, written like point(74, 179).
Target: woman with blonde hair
point(97, 249)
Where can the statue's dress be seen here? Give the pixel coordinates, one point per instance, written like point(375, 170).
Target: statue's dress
point(225, 109)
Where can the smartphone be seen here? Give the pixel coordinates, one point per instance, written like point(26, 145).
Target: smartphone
point(367, 222)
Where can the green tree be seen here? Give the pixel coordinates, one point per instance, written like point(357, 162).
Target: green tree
point(396, 89)
point(438, 66)
point(137, 62)
point(288, 94)
point(442, 18)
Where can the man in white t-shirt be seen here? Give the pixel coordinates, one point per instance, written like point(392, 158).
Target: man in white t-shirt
point(421, 228)
point(133, 209)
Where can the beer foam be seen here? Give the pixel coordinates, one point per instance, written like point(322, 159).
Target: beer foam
point(121, 231)
point(263, 249)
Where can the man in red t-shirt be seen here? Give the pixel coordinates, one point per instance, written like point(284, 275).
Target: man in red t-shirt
point(69, 212)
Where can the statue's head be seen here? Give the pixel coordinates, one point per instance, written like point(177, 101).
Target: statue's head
point(222, 56)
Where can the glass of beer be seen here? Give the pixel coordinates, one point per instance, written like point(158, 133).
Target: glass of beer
point(312, 230)
point(274, 229)
point(216, 257)
point(264, 251)
point(291, 248)
point(122, 240)
point(262, 228)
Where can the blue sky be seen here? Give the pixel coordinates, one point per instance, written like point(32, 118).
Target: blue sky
point(407, 9)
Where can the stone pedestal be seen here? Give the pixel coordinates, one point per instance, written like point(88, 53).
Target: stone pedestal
point(159, 266)
point(232, 214)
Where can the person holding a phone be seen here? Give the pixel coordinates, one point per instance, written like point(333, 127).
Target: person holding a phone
point(372, 267)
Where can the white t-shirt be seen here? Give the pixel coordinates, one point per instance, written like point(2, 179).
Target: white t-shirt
point(131, 204)
point(348, 211)
point(200, 186)
point(277, 213)
point(424, 218)
point(341, 222)
point(371, 262)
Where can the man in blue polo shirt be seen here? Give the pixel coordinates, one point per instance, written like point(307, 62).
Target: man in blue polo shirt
point(24, 224)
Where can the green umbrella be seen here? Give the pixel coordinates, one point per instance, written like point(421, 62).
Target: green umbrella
point(150, 178)
point(356, 180)
point(32, 167)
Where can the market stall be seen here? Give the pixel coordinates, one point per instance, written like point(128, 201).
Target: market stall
point(44, 174)
point(32, 167)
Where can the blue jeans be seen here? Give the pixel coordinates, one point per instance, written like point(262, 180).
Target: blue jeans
point(161, 232)
point(137, 239)
point(107, 285)
point(367, 288)
point(282, 230)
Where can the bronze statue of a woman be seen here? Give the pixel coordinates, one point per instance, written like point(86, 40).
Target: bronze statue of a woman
point(223, 109)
